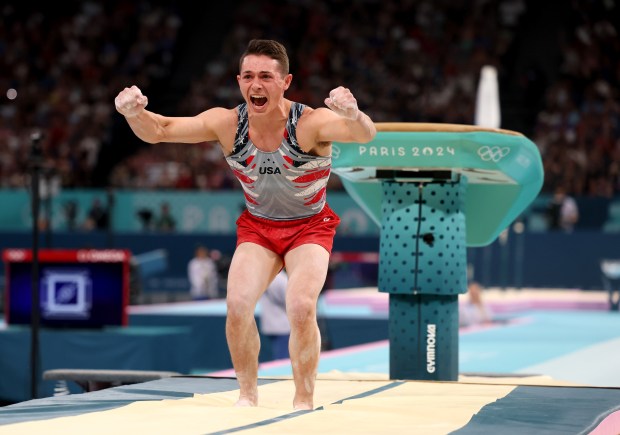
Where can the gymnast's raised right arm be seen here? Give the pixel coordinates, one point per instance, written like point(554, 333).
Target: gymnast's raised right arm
point(154, 128)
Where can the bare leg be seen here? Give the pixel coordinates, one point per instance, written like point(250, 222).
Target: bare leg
point(251, 270)
point(307, 269)
point(244, 346)
point(305, 350)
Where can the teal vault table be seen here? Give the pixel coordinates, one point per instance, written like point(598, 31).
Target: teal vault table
point(435, 189)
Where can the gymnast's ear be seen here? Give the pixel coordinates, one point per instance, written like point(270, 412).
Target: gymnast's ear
point(287, 81)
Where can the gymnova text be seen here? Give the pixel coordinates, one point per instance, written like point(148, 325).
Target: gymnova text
point(431, 333)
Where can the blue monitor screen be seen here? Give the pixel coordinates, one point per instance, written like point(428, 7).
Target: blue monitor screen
point(80, 295)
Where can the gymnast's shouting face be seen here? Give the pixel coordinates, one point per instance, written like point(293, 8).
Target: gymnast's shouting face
point(262, 83)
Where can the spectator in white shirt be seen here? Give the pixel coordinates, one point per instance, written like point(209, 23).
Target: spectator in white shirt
point(202, 274)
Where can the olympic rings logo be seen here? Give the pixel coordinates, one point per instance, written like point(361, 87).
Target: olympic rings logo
point(494, 154)
point(335, 152)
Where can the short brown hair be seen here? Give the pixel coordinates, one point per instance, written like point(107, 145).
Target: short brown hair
point(270, 48)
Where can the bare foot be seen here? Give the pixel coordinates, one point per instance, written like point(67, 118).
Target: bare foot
point(303, 406)
point(245, 402)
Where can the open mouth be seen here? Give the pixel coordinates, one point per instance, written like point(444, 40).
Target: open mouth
point(258, 100)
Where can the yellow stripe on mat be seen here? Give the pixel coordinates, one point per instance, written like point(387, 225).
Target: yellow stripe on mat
point(411, 407)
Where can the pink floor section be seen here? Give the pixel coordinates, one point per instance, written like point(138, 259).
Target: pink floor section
point(498, 300)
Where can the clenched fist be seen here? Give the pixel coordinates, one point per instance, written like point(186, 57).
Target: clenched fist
point(342, 101)
point(130, 102)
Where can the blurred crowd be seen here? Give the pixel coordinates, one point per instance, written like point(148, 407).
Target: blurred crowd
point(61, 65)
point(578, 131)
point(410, 61)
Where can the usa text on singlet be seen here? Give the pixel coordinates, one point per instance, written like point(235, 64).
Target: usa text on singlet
point(284, 184)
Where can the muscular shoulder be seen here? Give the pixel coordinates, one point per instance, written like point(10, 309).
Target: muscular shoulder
point(219, 117)
point(314, 118)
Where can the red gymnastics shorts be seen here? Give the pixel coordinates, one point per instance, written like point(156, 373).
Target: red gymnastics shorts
point(283, 236)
